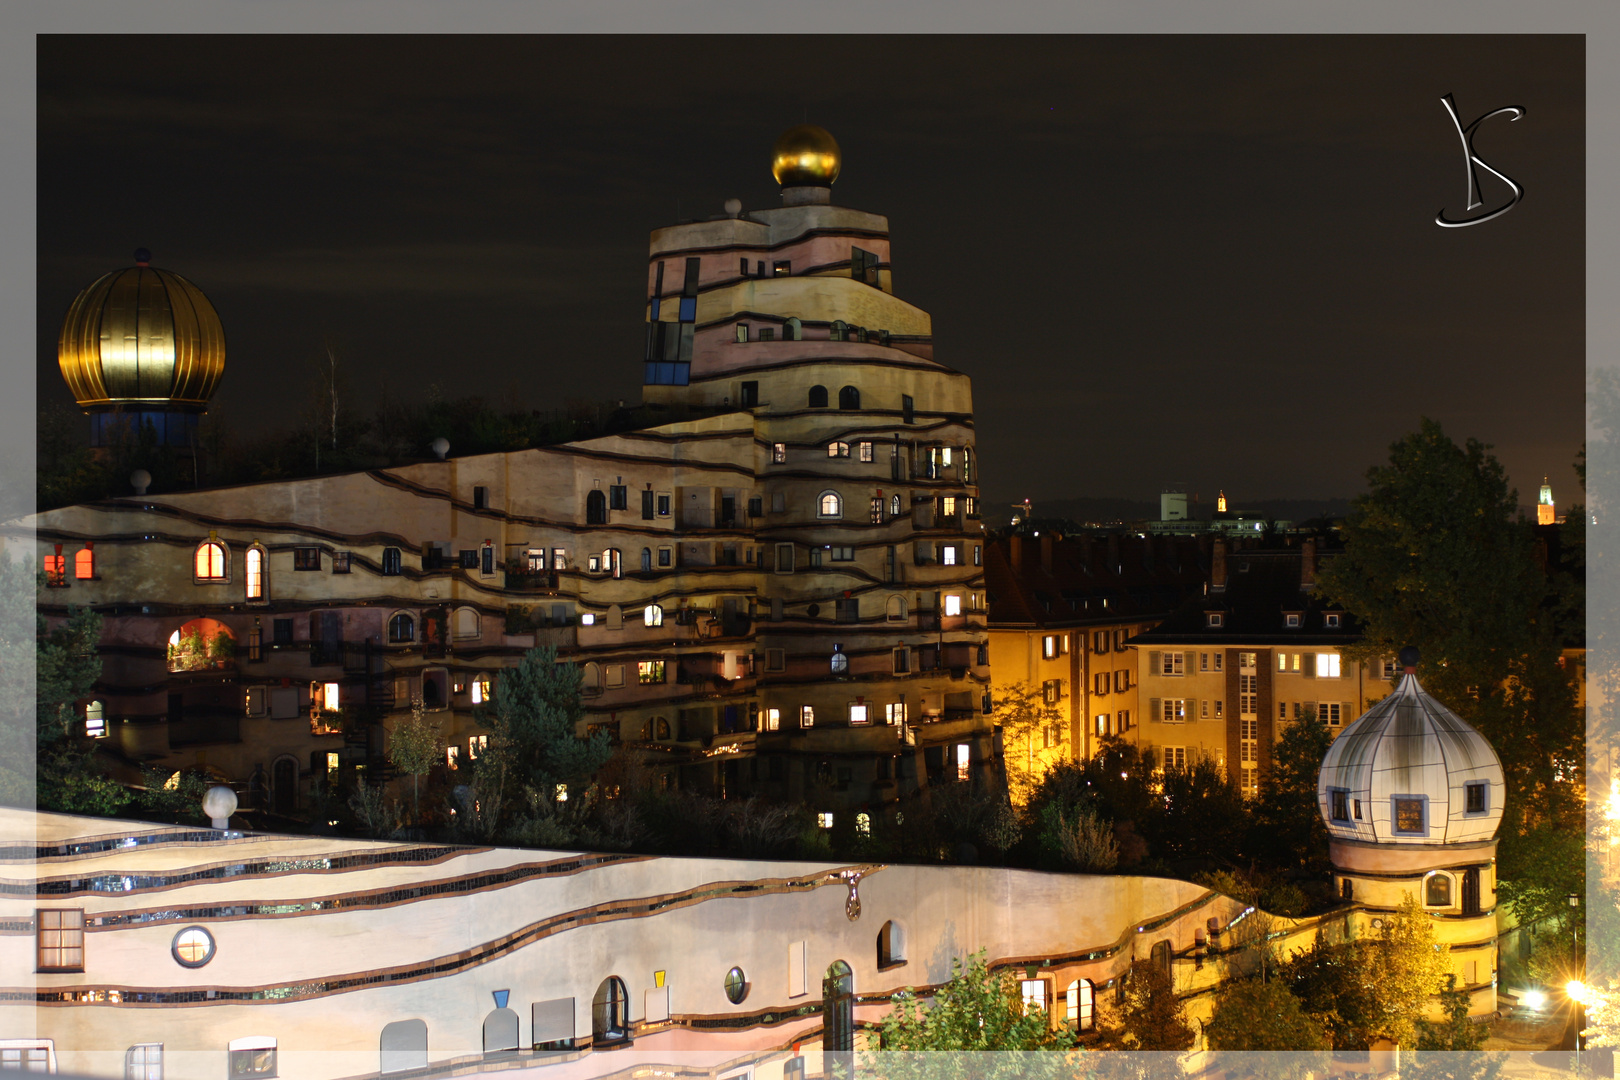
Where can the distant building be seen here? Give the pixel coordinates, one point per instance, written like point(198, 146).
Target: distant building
point(1546, 512)
point(780, 593)
point(1061, 612)
point(1179, 517)
point(1222, 676)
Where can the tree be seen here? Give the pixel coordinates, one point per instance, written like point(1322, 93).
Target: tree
point(1288, 825)
point(1079, 841)
point(1451, 1049)
point(1151, 1017)
point(977, 1010)
point(414, 748)
point(1255, 1020)
point(1024, 715)
point(533, 742)
point(1436, 556)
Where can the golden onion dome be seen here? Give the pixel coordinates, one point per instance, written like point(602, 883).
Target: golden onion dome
point(806, 155)
point(144, 338)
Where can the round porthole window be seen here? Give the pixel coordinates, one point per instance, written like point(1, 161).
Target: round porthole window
point(193, 947)
point(736, 985)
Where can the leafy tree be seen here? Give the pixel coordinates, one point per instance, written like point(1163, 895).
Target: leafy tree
point(1023, 715)
point(1436, 556)
point(1451, 1049)
point(1203, 812)
point(414, 748)
point(1288, 826)
point(1253, 1021)
point(377, 813)
point(977, 1010)
point(533, 744)
point(1083, 841)
point(1151, 1017)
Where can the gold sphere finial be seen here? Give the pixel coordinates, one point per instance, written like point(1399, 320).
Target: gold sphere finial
point(806, 155)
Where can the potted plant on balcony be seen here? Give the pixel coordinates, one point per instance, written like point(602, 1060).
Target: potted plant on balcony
point(221, 649)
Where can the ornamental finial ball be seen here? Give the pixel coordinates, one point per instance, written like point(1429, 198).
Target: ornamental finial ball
point(1409, 657)
point(440, 447)
point(806, 156)
point(219, 803)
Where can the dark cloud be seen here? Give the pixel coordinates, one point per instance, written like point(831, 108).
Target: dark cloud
point(1207, 259)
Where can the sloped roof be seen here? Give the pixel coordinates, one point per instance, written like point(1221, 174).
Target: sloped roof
point(1082, 580)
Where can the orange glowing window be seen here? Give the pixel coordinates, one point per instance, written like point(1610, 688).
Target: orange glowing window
point(84, 563)
point(210, 561)
point(55, 567)
point(253, 565)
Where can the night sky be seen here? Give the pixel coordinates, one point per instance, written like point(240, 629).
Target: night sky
point(1163, 260)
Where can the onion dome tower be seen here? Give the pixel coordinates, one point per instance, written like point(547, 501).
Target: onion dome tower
point(805, 161)
point(142, 346)
point(1412, 797)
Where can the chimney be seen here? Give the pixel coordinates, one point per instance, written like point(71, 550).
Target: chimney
point(1015, 553)
point(1113, 552)
point(1217, 566)
point(1307, 564)
point(1085, 552)
point(1046, 553)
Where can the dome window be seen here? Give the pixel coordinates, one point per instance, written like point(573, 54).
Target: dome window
point(1475, 799)
point(1407, 816)
point(1340, 808)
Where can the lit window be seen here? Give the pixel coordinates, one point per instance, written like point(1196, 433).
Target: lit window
point(210, 561)
point(84, 563)
point(55, 567)
point(1327, 665)
point(60, 942)
point(1407, 815)
point(894, 713)
point(894, 506)
point(947, 505)
point(1173, 710)
point(1172, 663)
point(193, 947)
point(742, 332)
point(807, 716)
point(1049, 647)
point(778, 453)
point(953, 603)
point(773, 719)
point(838, 449)
point(831, 505)
point(866, 451)
point(947, 555)
point(452, 755)
point(329, 696)
point(944, 455)
point(1437, 890)
point(587, 618)
point(649, 672)
point(480, 689)
point(858, 714)
point(963, 760)
point(824, 820)
point(840, 663)
point(95, 724)
point(863, 823)
point(476, 746)
point(653, 615)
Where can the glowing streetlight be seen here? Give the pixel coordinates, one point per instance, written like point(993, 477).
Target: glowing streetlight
point(1534, 999)
point(1577, 992)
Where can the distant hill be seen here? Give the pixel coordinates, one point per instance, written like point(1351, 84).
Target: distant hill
point(1105, 510)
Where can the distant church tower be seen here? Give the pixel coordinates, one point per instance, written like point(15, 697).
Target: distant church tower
point(1546, 513)
point(142, 346)
point(1412, 796)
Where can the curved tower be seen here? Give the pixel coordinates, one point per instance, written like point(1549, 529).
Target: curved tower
point(142, 346)
point(870, 592)
point(1412, 797)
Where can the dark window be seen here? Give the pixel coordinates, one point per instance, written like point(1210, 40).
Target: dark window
point(610, 1012)
point(663, 556)
point(281, 632)
point(469, 559)
point(908, 409)
point(390, 561)
point(1408, 814)
point(596, 508)
point(849, 610)
point(1476, 798)
point(863, 265)
point(849, 398)
point(401, 629)
point(902, 661)
point(1341, 806)
point(663, 506)
point(756, 506)
point(818, 397)
point(487, 561)
point(306, 558)
point(621, 497)
point(340, 562)
point(781, 269)
point(480, 498)
point(646, 560)
point(984, 654)
point(257, 1062)
point(743, 269)
point(256, 642)
point(761, 270)
point(646, 506)
point(750, 395)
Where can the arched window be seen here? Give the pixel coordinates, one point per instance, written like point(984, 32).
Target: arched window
point(838, 1008)
point(830, 505)
point(646, 560)
point(1160, 956)
point(390, 562)
point(95, 721)
point(84, 563)
point(1081, 1002)
point(838, 449)
point(610, 1012)
point(840, 329)
point(596, 508)
point(849, 398)
point(253, 569)
point(401, 629)
point(482, 689)
point(891, 945)
point(840, 663)
point(591, 677)
point(212, 563)
point(894, 506)
point(818, 397)
point(1437, 890)
point(660, 729)
point(501, 1031)
point(793, 330)
point(404, 1045)
point(896, 609)
point(653, 616)
point(615, 617)
point(467, 623)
